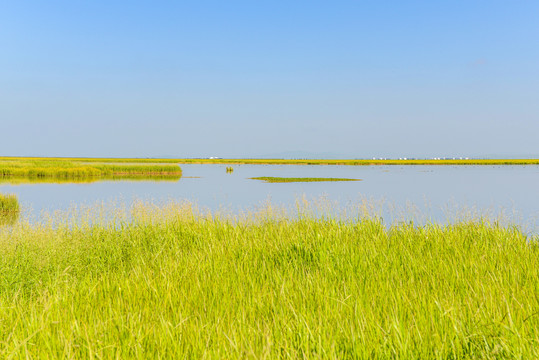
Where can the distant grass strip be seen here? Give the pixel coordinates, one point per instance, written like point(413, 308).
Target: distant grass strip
point(173, 283)
point(292, 179)
point(356, 162)
point(359, 162)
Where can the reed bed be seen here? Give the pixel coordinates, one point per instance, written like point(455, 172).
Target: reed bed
point(9, 203)
point(174, 282)
point(9, 209)
point(491, 162)
point(56, 169)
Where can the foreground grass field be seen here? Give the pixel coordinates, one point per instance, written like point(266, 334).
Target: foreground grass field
point(169, 282)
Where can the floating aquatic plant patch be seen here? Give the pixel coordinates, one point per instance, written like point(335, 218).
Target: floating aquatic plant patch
point(294, 179)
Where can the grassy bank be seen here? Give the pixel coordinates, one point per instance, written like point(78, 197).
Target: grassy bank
point(356, 162)
point(173, 283)
point(66, 169)
point(270, 179)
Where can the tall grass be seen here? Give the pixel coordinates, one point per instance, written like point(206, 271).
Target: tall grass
point(9, 209)
point(64, 169)
point(172, 282)
point(8, 202)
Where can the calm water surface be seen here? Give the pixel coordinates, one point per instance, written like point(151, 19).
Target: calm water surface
point(437, 193)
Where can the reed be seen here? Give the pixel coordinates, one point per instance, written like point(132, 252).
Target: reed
point(173, 282)
point(58, 170)
point(9, 203)
point(9, 209)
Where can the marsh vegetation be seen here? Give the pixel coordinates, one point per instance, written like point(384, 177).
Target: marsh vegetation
point(270, 179)
point(360, 162)
point(9, 209)
point(357, 162)
point(58, 170)
point(174, 282)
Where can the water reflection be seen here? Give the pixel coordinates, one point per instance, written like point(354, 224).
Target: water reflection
point(87, 180)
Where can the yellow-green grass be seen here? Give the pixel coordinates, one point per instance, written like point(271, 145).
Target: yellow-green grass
point(270, 179)
point(357, 162)
point(58, 169)
point(360, 162)
point(8, 202)
point(9, 209)
point(174, 283)
point(92, 161)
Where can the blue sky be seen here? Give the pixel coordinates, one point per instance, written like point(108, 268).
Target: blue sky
point(250, 78)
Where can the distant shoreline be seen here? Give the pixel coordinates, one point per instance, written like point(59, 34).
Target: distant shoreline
point(254, 161)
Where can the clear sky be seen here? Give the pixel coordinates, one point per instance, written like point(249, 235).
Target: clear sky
point(250, 78)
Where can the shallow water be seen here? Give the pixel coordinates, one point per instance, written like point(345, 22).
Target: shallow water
point(436, 193)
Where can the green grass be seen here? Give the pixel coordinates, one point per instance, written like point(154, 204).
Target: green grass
point(58, 170)
point(9, 203)
point(174, 283)
point(9, 209)
point(351, 162)
point(291, 179)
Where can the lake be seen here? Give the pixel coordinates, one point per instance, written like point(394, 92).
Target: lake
point(422, 193)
